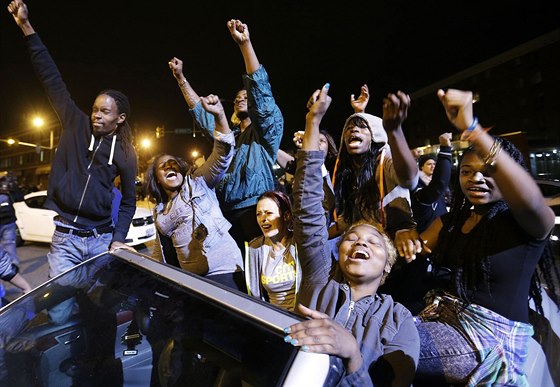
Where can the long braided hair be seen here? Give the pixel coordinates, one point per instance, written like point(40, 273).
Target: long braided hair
point(357, 195)
point(124, 131)
point(472, 263)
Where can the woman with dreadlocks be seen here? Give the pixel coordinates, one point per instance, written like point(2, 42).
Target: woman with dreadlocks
point(492, 240)
point(372, 177)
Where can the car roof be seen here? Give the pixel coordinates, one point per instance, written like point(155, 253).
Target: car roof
point(135, 281)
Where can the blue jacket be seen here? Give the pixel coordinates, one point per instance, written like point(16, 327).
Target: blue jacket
point(382, 328)
point(250, 173)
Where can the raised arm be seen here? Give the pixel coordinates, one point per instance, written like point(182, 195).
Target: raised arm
point(441, 176)
point(214, 168)
point(359, 104)
point(284, 158)
point(176, 66)
point(395, 109)
point(18, 9)
point(517, 186)
point(240, 34)
point(310, 230)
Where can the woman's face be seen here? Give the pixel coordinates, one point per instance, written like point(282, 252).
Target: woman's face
point(168, 173)
point(270, 220)
point(478, 187)
point(357, 139)
point(363, 254)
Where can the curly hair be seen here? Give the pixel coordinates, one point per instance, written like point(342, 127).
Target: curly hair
point(473, 263)
point(356, 191)
point(124, 131)
point(152, 187)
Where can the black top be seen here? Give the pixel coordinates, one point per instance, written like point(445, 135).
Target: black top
point(513, 258)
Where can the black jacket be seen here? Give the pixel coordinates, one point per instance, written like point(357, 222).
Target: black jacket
point(81, 181)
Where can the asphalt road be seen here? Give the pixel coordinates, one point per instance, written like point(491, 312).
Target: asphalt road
point(34, 266)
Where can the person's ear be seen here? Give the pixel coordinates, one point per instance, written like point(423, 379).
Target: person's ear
point(122, 118)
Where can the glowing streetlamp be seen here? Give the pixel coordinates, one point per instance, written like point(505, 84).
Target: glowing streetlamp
point(145, 143)
point(38, 122)
point(194, 154)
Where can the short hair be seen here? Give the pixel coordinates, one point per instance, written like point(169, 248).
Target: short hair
point(390, 250)
point(424, 158)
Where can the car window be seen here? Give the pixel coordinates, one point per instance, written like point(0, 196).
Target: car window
point(108, 320)
point(36, 201)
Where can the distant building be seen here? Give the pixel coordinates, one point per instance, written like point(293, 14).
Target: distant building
point(517, 91)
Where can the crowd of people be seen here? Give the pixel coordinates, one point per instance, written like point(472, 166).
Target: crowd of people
point(348, 246)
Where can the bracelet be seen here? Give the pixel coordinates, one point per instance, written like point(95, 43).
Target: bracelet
point(183, 82)
point(474, 135)
point(466, 134)
point(490, 159)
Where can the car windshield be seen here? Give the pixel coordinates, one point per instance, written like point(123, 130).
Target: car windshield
point(110, 320)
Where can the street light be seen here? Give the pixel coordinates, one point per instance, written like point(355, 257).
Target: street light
point(194, 154)
point(38, 122)
point(146, 143)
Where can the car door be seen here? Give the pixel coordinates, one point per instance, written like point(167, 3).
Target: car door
point(37, 221)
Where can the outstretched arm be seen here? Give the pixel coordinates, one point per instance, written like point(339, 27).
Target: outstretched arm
point(518, 188)
point(395, 110)
point(176, 66)
point(441, 176)
point(284, 158)
point(240, 34)
point(18, 9)
point(359, 104)
point(214, 168)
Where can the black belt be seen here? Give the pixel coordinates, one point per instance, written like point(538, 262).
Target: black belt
point(84, 233)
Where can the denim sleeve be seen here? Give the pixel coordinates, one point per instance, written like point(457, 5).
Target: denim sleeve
point(310, 228)
point(264, 112)
point(215, 167)
point(203, 119)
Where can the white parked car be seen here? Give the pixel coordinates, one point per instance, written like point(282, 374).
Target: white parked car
point(35, 223)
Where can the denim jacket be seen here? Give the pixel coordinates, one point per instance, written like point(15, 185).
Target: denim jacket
point(195, 221)
point(250, 173)
point(382, 328)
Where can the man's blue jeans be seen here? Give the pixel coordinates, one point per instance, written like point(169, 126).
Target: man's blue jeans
point(67, 251)
point(8, 240)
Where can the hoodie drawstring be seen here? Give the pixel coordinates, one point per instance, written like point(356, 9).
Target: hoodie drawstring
point(112, 149)
point(92, 143)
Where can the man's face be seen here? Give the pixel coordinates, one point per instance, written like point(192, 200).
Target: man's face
point(428, 167)
point(105, 116)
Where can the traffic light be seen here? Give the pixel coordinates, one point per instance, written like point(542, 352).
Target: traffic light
point(160, 131)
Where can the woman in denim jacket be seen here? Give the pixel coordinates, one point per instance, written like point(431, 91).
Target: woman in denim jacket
point(373, 338)
point(188, 211)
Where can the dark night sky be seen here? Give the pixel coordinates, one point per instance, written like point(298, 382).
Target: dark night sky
point(303, 44)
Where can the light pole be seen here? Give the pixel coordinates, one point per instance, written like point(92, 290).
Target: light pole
point(38, 122)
